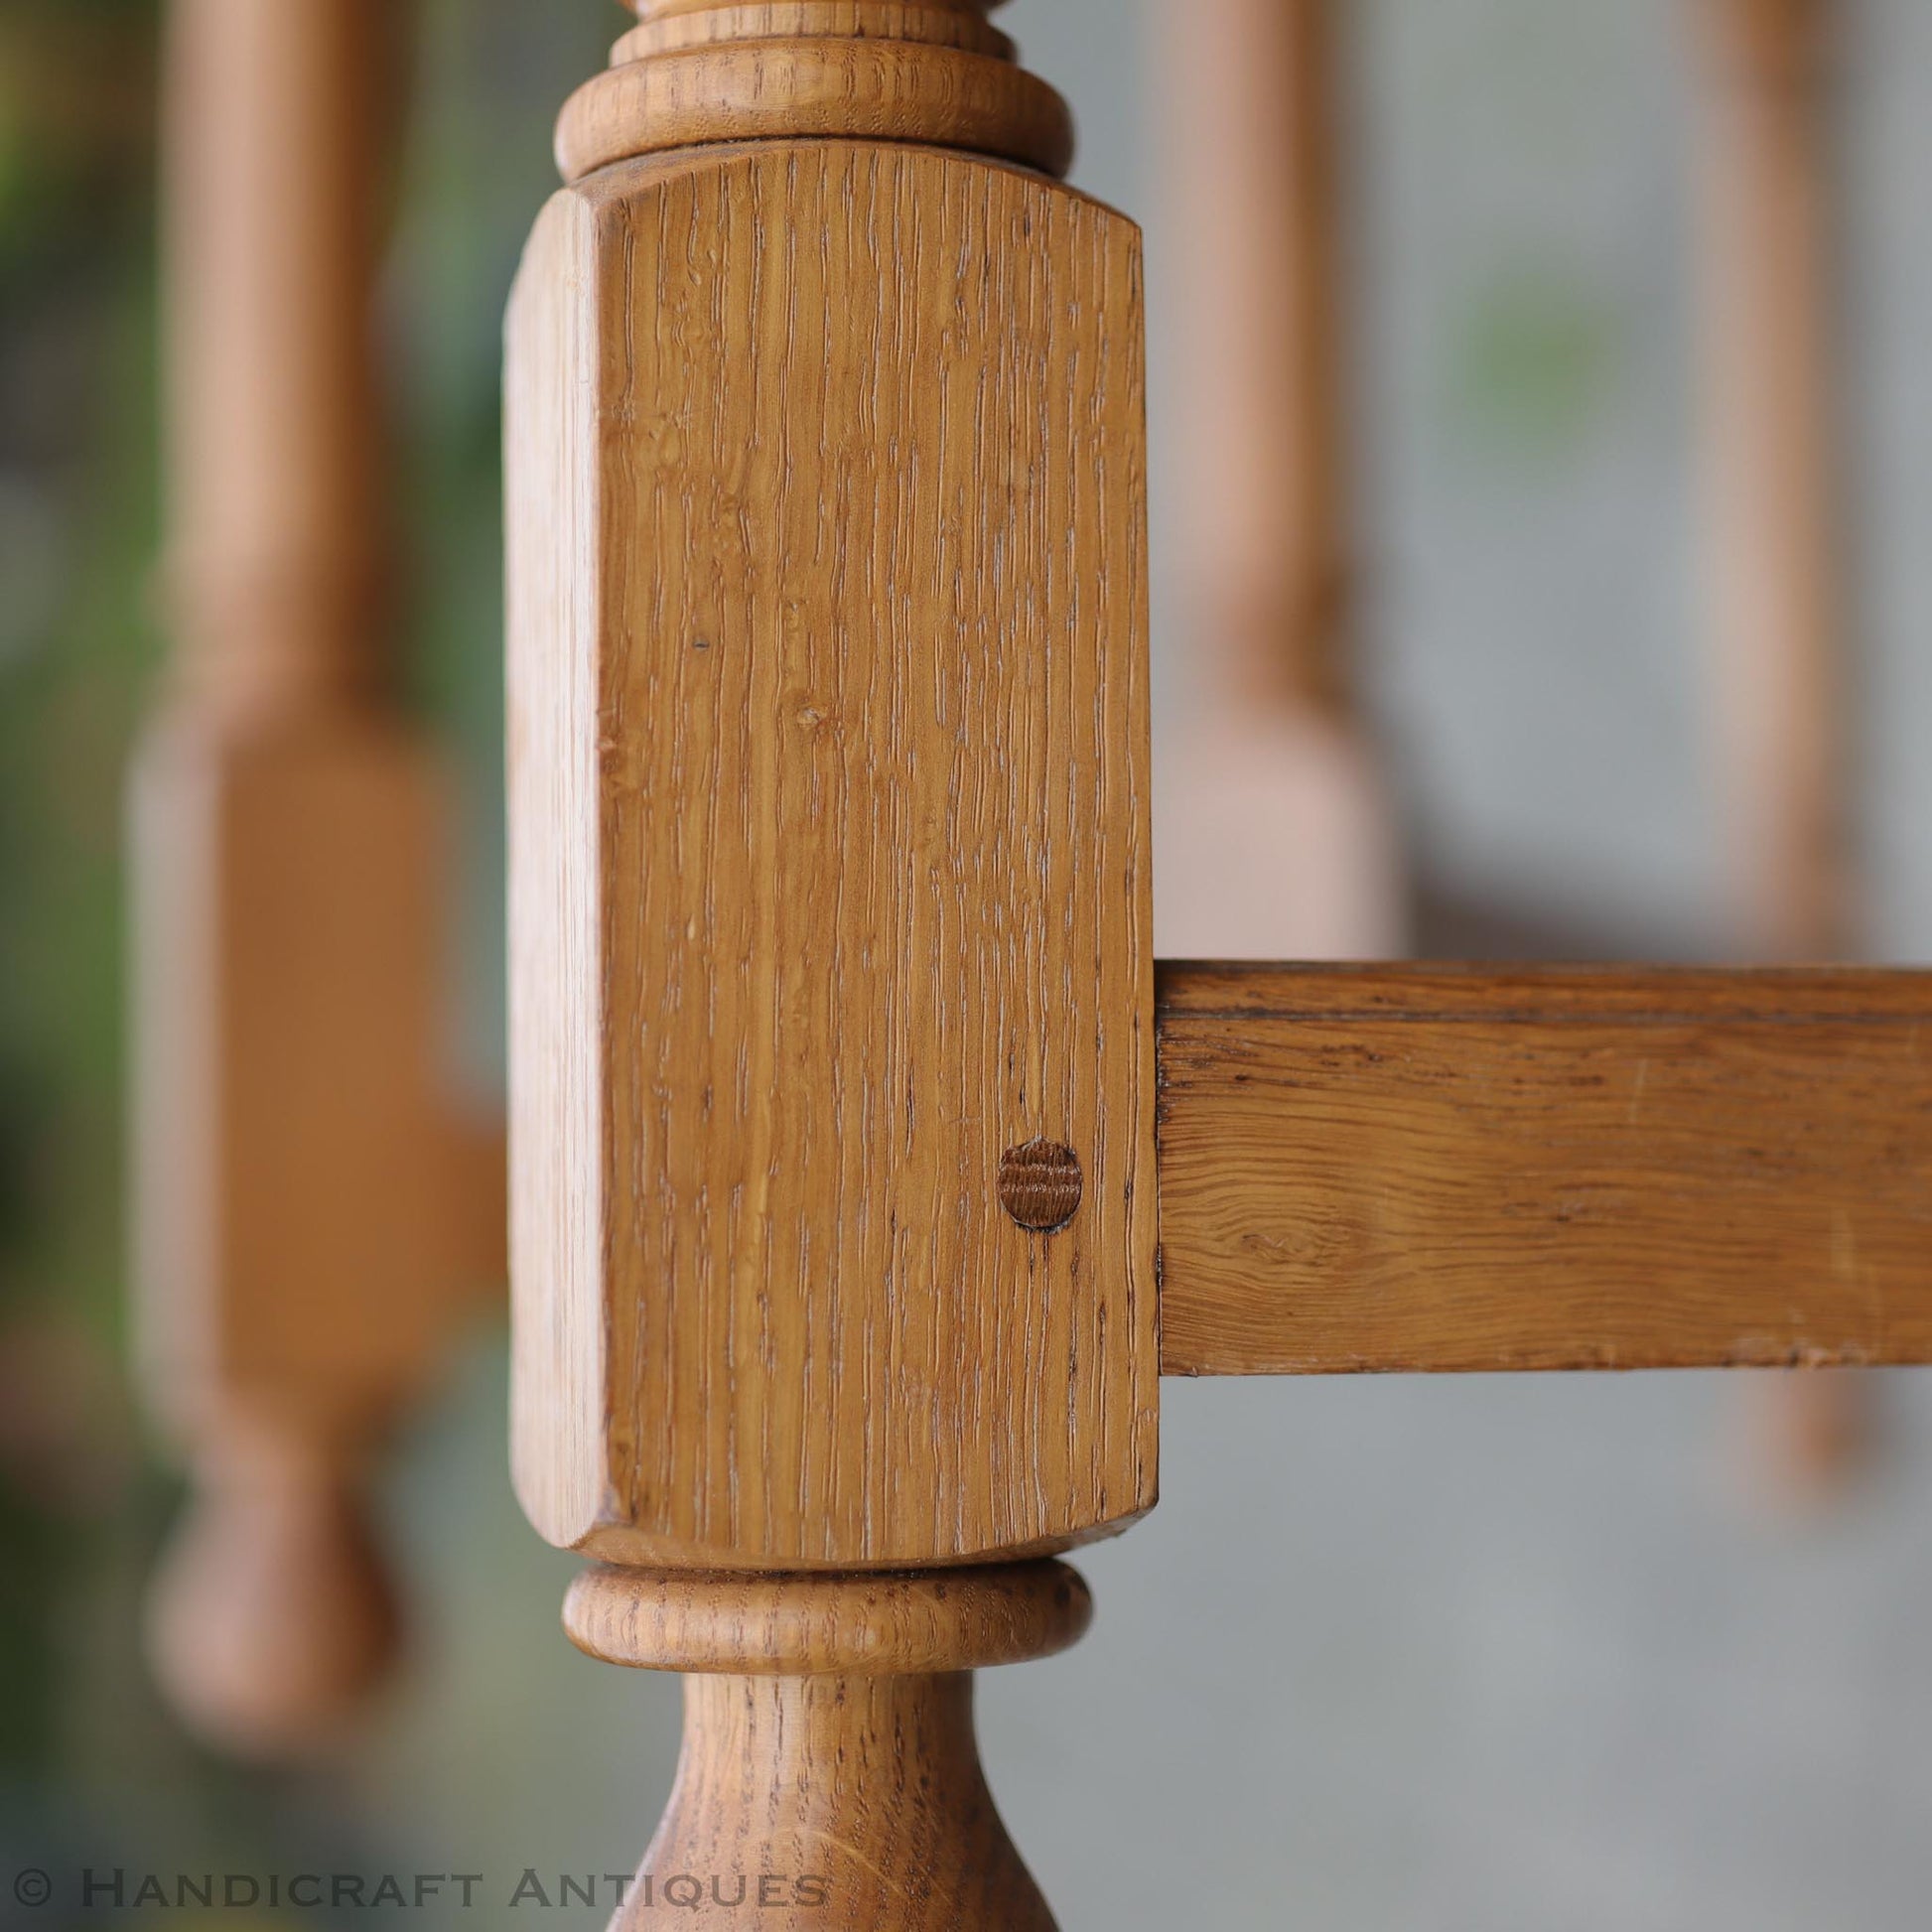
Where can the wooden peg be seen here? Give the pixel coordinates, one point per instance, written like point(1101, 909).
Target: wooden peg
point(1277, 833)
point(314, 1211)
point(1783, 658)
point(829, 906)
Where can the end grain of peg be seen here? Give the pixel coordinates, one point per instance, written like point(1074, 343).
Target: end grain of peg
point(1041, 1186)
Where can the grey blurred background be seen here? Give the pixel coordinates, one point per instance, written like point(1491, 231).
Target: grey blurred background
point(1485, 1654)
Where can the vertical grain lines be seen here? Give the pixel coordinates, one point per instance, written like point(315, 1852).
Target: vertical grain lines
point(870, 864)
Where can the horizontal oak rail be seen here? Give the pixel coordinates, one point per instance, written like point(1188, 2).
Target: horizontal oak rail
point(1408, 1169)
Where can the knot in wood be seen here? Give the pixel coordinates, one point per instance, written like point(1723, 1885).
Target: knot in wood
point(1040, 1185)
point(697, 71)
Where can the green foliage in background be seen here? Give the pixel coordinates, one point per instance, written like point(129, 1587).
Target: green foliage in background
point(76, 534)
point(1535, 360)
point(82, 1736)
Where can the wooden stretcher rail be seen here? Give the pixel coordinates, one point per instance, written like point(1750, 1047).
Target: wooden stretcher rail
point(1444, 1168)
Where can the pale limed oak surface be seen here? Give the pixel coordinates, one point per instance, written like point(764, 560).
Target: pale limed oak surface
point(1441, 1170)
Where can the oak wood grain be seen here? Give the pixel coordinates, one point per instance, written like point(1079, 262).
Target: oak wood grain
point(822, 1804)
point(1405, 1169)
point(830, 1776)
point(829, 822)
point(831, 978)
point(698, 71)
point(851, 1626)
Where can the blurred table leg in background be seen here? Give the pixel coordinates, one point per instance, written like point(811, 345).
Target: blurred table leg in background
point(312, 1211)
point(1274, 829)
point(1783, 658)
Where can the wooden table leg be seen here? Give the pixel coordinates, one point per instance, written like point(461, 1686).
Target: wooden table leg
point(831, 983)
point(314, 1212)
point(1277, 833)
point(1784, 656)
point(830, 1774)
